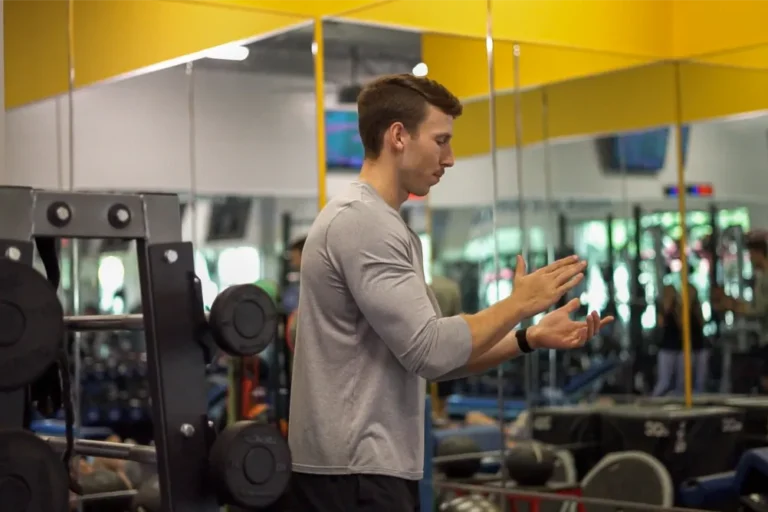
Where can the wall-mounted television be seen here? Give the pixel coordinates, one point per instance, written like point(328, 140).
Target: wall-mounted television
point(229, 219)
point(343, 147)
point(642, 152)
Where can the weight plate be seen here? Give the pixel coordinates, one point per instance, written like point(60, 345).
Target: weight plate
point(243, 320)
point(250, 465)
point(32, 476)
point(33, 325)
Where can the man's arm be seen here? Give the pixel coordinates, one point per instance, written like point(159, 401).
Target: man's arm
point(371, 251)
point(503, 351)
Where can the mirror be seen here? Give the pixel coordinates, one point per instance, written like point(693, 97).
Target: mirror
point(215, 118)
point(723, 106)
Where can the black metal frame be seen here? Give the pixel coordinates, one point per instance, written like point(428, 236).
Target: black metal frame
point(166, 270)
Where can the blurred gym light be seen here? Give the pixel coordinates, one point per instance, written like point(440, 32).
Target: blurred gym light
point(227, 52)
point(420, 69)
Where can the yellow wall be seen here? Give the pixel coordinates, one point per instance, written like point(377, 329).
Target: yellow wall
point(113, 38)
point(622, 101)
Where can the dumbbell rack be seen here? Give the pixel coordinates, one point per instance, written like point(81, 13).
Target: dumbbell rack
point(166, 270)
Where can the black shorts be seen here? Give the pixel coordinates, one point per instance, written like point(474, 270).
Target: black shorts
point(350, 493)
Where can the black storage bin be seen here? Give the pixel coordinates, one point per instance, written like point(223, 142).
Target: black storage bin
point(575, 428)
point(690, 442)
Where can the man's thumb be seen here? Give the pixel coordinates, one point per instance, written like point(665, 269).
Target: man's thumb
point(520, 269)
point(572, 306)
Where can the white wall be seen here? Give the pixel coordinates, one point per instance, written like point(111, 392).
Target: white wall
point(732, 156)
point(255, 135)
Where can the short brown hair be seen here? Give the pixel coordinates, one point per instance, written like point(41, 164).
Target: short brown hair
point(399, 98)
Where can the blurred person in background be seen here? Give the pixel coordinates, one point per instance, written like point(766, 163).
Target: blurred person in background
point(290, 295)
point(670, 361)
point(448, 295)
point(757, 309)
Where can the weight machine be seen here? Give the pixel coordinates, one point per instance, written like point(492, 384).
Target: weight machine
point(198, 469)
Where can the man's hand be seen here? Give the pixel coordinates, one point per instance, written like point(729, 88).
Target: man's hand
point(539, 290)
point(557, 331)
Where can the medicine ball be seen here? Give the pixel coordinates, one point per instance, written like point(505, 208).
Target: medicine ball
point(531, 463)
point(456, 446)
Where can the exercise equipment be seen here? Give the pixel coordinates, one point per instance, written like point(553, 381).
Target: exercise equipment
point(458, 452)
point(250, 464)
point(32, 476)
point(178, 347)
point(689, 442)
point(147, 499)
point(468, 504)
point(630, 476)
point(755, 409)
point(243, 320)
point(530, 464)
point(575, 428)
point(573, 390)
point(723, 490)
point(101, 481)
point(31, 316)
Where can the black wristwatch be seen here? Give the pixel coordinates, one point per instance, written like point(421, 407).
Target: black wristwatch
point(522, 341)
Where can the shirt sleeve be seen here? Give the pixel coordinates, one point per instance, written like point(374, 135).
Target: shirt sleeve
point(370, 248)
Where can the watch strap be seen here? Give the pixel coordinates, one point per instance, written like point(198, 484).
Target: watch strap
point(522, 341)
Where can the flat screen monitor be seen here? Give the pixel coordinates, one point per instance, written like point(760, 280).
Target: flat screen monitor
point(643, 152)
point(229, 219)
point(343, 147)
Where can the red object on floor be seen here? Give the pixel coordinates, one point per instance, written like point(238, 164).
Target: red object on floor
point(534, 503)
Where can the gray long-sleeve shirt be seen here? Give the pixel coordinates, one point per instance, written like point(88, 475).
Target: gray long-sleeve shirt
point(368, 334)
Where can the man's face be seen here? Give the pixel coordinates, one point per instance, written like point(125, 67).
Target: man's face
point(422, 157)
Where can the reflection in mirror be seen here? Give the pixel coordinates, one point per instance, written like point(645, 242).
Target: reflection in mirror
point(354, 55)
point(463, 241)
point(723, 99)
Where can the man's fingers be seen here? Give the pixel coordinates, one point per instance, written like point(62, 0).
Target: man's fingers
point(592, 322)
point(563, 262)
point(568, 272)
point(569, 285)
point(607, 320)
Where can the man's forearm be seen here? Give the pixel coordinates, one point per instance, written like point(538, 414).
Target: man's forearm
point(489, 326)
point(502, 351)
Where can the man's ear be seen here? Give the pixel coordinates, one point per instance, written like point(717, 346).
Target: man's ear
point(397, 134)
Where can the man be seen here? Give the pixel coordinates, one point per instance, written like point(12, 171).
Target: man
point(758, 308)
point(369, 328)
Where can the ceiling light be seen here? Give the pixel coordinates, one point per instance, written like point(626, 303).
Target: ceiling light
point(420, 69)
point(227, 52)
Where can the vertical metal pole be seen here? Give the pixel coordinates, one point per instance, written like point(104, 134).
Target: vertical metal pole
point(74, 243)
point(531, 363)
point(190, 72)
point(494, 215)
point(318, 51)
point(549, 201)
point(679, 153)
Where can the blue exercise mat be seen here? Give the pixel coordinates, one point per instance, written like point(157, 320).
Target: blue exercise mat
point(58, 428)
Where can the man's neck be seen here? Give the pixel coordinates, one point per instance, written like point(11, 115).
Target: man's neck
point(383, 178)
